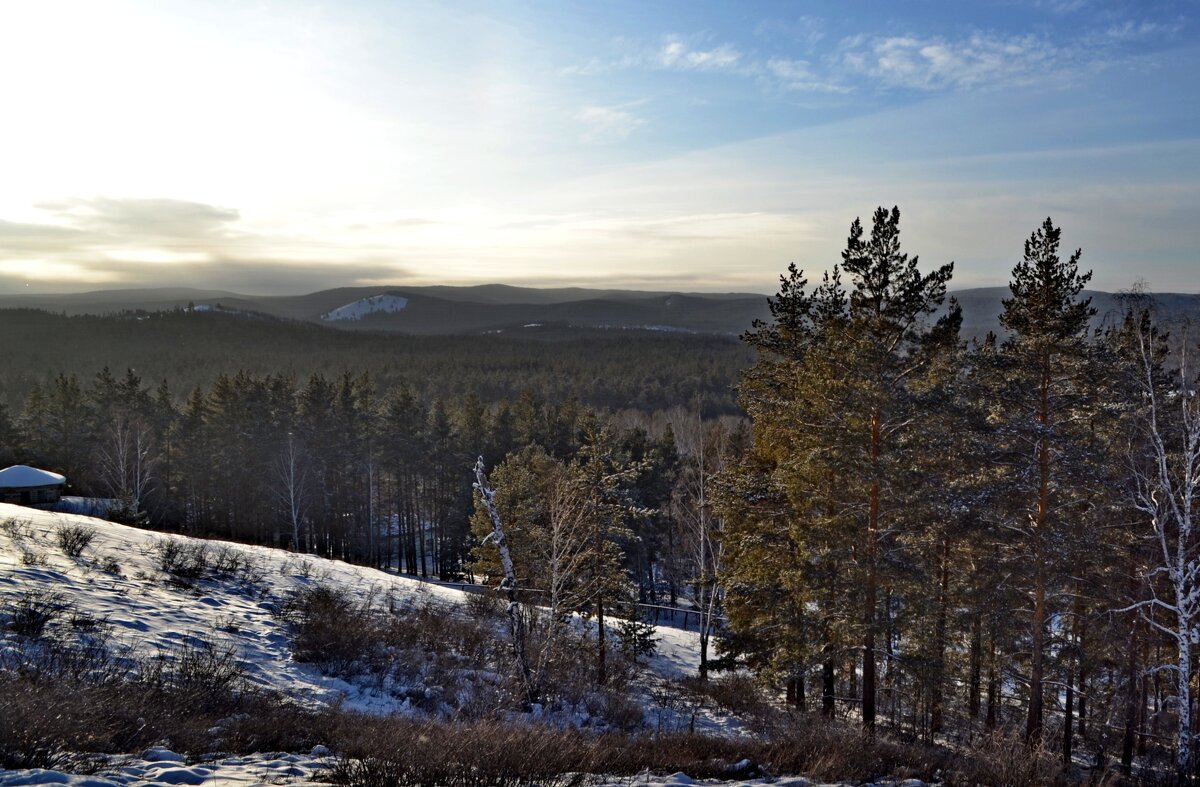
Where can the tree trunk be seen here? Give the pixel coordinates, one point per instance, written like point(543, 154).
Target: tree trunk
point(939, 671)
point(1081, 703)
point(828, 687)
point(992, 687)
point(871, 596)
point(1033, 724)
point(974, 683)
point(1131, 698)
point(601, 662)
point(516, 623)
point(1183, 758)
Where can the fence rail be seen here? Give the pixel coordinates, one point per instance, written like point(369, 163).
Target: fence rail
point(658, 614)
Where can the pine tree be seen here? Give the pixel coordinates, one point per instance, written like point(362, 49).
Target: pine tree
point(833, 402)
point(1042, 401)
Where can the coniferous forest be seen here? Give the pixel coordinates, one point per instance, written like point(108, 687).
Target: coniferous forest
point(932, 537)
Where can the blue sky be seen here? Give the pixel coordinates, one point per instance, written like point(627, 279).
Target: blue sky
point(285, 147)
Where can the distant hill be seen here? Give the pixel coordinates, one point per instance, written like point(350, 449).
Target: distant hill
point(442, 309)
point(500, 308)
point(982, 307)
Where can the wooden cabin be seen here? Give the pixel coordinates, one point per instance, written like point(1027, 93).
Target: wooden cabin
point(26, 485)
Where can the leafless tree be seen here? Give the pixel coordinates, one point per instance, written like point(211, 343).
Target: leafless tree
point(516, 621)
point(292, 472)
point(127, 460)
point(1166, 484)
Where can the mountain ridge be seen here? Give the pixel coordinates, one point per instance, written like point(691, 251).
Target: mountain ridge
point(446, 309)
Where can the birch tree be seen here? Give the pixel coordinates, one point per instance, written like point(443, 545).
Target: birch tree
point(1166, 491)
point(516, 622)
point(292, 471)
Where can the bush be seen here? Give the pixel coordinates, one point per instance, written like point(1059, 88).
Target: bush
point(33, 610)
point(16, 529)
point(328, 629)
point(184, 561)
point(199, 672)
point(73, 539)
point(31, 557)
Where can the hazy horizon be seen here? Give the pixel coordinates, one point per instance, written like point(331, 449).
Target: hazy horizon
point(261, 148)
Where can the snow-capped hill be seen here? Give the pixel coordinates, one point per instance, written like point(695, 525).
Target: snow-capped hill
point(386, 303)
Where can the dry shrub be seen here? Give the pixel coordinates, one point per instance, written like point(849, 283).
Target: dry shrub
point(1004, 759)
point(437, 658)
point(33, 557)
point(73, 539)
point(484, 606)
point(59, 697)
point(16, 528)
point(329, 628)
point(184, 562)
point(31, 611)
point(484, 754)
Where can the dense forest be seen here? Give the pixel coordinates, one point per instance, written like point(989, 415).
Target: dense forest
point(934, 537)
point(607, 369)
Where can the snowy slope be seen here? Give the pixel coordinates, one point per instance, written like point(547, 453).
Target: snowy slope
point(118, 578)
point(376, 304)
point(150, 614)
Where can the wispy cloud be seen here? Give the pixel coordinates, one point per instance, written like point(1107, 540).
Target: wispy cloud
point(799, 56)
point(143, 217)
point(676, 53)
point(799, 75)
point(608, 124)
point(980, 60)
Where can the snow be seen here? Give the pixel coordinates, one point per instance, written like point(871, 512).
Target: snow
point(166, 767)
point(23, 475)
point(151, 615)
point(376, 304)
point(282, 768)
point(118, 579)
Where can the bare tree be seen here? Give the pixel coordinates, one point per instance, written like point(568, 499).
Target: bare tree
point(292, 473)
point(700, 526)
point(516, 622)
point(127, 460)
point(1166, 489)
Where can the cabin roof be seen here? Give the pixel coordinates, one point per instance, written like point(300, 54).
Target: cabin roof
point(23, 476)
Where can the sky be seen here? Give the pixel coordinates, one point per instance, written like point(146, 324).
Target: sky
point(287, 147)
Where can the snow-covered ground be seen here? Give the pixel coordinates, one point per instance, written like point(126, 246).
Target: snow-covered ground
point(159, 766)
point(376, 304)
point(118, 578)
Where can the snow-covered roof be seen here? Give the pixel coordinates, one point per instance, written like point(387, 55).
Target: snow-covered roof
point(25, 476)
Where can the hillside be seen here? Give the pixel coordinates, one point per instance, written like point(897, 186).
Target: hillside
point(441, 309)
point(496, 308)
point(123, 577)
point(151, 598)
